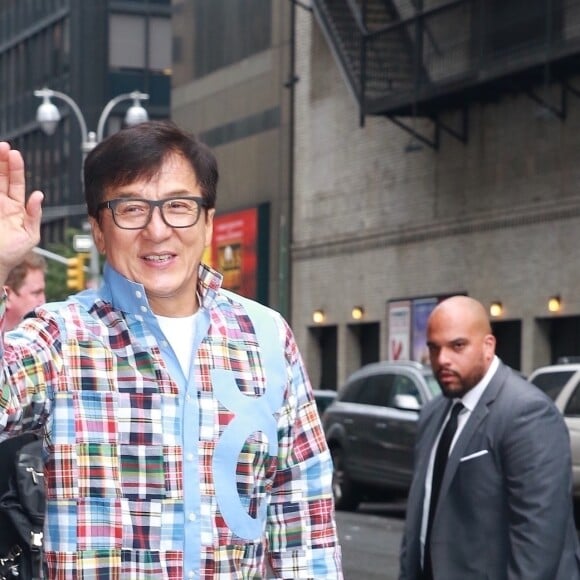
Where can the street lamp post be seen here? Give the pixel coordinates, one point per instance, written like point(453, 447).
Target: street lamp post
point(48, 117)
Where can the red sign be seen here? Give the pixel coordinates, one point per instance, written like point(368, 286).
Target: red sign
point(234, 250)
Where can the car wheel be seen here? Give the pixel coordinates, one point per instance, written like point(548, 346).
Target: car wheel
point(344, 491)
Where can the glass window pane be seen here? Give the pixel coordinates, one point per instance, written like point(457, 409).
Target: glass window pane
point(552, 382)
point(160, 44)
point(573, 406)
point(127, 41)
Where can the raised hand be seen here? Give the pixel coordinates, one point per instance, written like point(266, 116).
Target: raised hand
point(19, 220)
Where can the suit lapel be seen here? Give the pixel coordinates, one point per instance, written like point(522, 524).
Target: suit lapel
point(480, 412)
point(433, 424)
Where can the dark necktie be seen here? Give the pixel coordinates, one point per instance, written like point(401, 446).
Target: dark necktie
point(438, 470)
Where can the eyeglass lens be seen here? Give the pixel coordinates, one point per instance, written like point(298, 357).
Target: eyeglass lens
point(136, 213)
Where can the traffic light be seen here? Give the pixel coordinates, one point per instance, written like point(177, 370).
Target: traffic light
point(75, 275)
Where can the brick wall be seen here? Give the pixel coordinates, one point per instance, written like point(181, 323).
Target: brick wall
point(497, 218)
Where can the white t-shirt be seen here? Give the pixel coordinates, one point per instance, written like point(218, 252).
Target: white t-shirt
point(180, 333)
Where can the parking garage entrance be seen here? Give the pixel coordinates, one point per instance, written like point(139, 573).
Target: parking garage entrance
point(562, 335)
point(508, 336)
point(326, 338)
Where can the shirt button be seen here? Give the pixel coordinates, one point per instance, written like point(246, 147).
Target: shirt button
point(191, 517)
point(138, 294)
point(138, 317)
point(189, 457)
point(191, 574)
point(143, 308)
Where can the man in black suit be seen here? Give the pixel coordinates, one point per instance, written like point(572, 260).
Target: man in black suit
point(498, 504)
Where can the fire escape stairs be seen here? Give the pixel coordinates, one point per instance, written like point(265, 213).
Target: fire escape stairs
point(379, 58)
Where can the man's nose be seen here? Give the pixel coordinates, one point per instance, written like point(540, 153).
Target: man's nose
point(442, 356)
point(157, 223)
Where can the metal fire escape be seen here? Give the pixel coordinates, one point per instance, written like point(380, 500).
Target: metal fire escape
point(431, 59)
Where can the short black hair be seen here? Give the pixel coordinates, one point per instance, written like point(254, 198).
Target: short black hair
point(138, 152)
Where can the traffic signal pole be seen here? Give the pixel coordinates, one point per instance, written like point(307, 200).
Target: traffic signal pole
point(50, 255)
point(76, 269)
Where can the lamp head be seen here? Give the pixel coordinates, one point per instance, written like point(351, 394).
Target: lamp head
point(48, 115)
point(137, 113)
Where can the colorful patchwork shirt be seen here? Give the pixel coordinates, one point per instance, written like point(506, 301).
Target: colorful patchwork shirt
point(223, 473)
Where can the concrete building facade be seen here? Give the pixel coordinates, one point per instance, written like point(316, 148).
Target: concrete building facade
point(380, 224)
point(232, 86)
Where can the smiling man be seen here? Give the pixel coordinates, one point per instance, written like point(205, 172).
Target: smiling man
point(181, 433)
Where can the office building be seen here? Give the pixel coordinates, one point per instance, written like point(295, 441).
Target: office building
point(233, 86)
point(92, 51)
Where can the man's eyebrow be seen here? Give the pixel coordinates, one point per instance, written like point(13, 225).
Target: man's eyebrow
point(128, 194)
point(457, 340)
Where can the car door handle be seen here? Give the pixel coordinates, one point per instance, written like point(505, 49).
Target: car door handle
point(381, 425)
point(348, 421)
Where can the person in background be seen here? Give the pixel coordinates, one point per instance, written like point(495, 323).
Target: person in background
point(181, 434)
point(496, 500)
point(24, 288)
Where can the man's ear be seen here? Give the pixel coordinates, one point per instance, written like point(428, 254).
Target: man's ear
point(209, 226)
point(8, 291)
point(489, 345)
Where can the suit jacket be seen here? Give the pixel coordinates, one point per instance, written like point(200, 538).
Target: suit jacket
point(505, 507)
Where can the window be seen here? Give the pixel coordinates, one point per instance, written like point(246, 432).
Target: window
point(573, 406)
point(404, 385)
point(135, 42)
point(160, 44)
point(351, 394)
point(127, 41)
point(376, 390)
point(552, 382)
point(226, 32)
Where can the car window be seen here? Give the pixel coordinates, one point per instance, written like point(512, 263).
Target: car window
point(552, 382)
point(432, 383)
point(351, 391)
point(573, 406)
point(382, 385)
point(404, 385)
point(376, 390)
point(323, 400)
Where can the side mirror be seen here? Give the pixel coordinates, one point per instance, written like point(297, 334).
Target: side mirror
point(407, 403)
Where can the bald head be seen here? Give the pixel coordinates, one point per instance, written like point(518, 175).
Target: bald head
point(465, 308)
point(461, 346)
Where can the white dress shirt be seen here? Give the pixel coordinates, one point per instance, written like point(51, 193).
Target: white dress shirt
point(469, 400)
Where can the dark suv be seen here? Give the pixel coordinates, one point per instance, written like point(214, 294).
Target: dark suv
point(371, 428)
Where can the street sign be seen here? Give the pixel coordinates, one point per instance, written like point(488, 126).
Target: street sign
point(82, 243)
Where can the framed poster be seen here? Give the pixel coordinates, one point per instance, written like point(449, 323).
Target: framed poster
point(399, 330)
point(422, 308)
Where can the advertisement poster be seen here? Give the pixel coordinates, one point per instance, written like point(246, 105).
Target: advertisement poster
point(422, 308)
point(400, 330)
point(234, 250)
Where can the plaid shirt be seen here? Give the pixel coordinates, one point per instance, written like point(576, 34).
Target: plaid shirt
point(154, 474)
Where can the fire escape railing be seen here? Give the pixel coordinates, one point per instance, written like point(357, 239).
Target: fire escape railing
point(410, 58)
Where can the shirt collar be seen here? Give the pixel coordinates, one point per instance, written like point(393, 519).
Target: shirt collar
point(130, 297)
point(471, 398)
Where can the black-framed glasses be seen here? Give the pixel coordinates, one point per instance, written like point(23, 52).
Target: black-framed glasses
point(135, 214)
